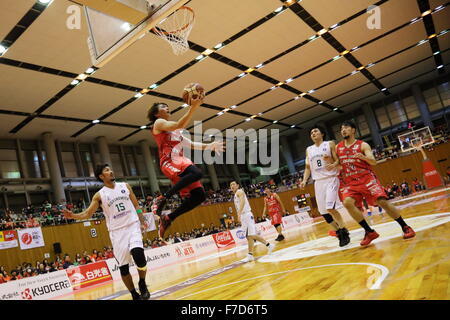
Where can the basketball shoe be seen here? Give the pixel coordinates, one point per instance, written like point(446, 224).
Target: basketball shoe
point(270, 248)
point(343, 236)
point(369, 237)
point(280, 238)
point(248, 258)
point(136, 296)
point(408, 232)
point(145, 294)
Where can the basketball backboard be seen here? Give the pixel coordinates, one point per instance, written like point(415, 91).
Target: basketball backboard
point(114, 25)
point(415, 138)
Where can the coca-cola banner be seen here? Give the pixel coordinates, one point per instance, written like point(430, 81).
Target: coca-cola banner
point(224, 239)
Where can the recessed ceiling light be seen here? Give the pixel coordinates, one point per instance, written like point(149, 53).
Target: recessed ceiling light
point(95, 121)
point(311, 91)
point(226, 109)
point(2, 49)
point(275, 121)
point(439, 8)
point(81, 76)
point(384, 89)
point(296, 97)
point(138, 95)
point(343, 53)
point(314, 37)
point(249, 70)
point(75, 82)
point(218, 46)
point(143, 127)
point(233, 107)
point(207, 52)
point(243, 74)
point(200, 57)
point(422, 42)
point(89, 70)
point(220, 113)
point(278, 9)
point(321, 32)
point(415, 20)
point(370, 65)
point(336, 57)
point(426, 13)
point(153, 86)
point(45, 1)
point(289, 80)
point(334, 26)
point(259, 66)
point(335, 109)
point(273, 88)
point(320, 102)
point(185, 105)
point(293, 126)
point(144, 91)
point(432, 36)
point(353, 72)
point(355, 49)
point(437, 52)
point(248, 119)
point(255, 141)
point(440, 66)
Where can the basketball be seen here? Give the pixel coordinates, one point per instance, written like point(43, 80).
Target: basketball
point(192, 91)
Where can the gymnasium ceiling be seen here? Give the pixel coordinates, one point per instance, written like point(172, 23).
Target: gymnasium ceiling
point(305, 76)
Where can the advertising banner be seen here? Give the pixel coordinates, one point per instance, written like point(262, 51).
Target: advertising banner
point(8, 239)
point(223, 239)
point(30, 238)
point(88, 275)
point(42, 287)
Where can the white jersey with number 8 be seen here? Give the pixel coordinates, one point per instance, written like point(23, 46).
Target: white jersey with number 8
point(317, 162)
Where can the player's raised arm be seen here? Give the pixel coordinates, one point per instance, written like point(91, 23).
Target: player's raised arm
point(307, 172)
point(166, 125)
point(86, 214)
point(368, 155)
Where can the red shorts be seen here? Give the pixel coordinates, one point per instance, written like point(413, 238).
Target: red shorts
point(276, 218)
point(172, 170)
point(370, 189)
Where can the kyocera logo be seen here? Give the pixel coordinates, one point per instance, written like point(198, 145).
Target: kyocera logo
point(27, 238)
point(29, 294)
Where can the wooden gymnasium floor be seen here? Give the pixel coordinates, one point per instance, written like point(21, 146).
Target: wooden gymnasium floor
point(310, 265)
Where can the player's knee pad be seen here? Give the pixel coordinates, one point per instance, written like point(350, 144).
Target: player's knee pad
point(328, 218)
point(139, 258)
point(124, 270)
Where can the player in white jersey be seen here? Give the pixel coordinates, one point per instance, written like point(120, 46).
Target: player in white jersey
point(322, 164)
point(125, 223)
point(245, 216)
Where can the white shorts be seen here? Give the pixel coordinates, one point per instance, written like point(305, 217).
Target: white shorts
point(327, 197)
point(125, 239)
point(248, 224)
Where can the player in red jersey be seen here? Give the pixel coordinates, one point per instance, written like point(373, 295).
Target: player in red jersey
point(273, 204)
point(180, 170)
point(358, 181)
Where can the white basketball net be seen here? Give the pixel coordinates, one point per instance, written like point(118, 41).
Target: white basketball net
point(175, 29)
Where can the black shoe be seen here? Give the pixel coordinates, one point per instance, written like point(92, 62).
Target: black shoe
point(280, 238)
point(343, 236)
point(145, 294)
point(136, 296)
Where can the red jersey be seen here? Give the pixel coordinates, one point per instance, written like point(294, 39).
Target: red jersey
point(273, 206)
point(169, 146)
point(353, 170)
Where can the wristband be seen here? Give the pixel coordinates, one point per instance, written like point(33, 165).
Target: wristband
point(139, 211)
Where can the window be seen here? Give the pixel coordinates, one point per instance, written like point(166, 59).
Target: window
point(382, 118)
point(337, 131)
point(362, 125)
point(412, 111)
point(70, 166)
point(444, 92)
point(88, 167)
point(131, 164)
point(141, 165)
point(396, 112)
point(32, 163)
point(432, 99)
point(9, 164)
point(117, 165)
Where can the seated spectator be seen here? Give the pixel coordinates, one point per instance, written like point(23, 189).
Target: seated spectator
point(177, 238)
point(67, 261)
point(42, 270)
point(109, 253)
point(78, 260)
point(100, 256)
point(88, 260)
point(15, 275)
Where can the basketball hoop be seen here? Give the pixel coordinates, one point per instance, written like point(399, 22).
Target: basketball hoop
point(175, 29)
